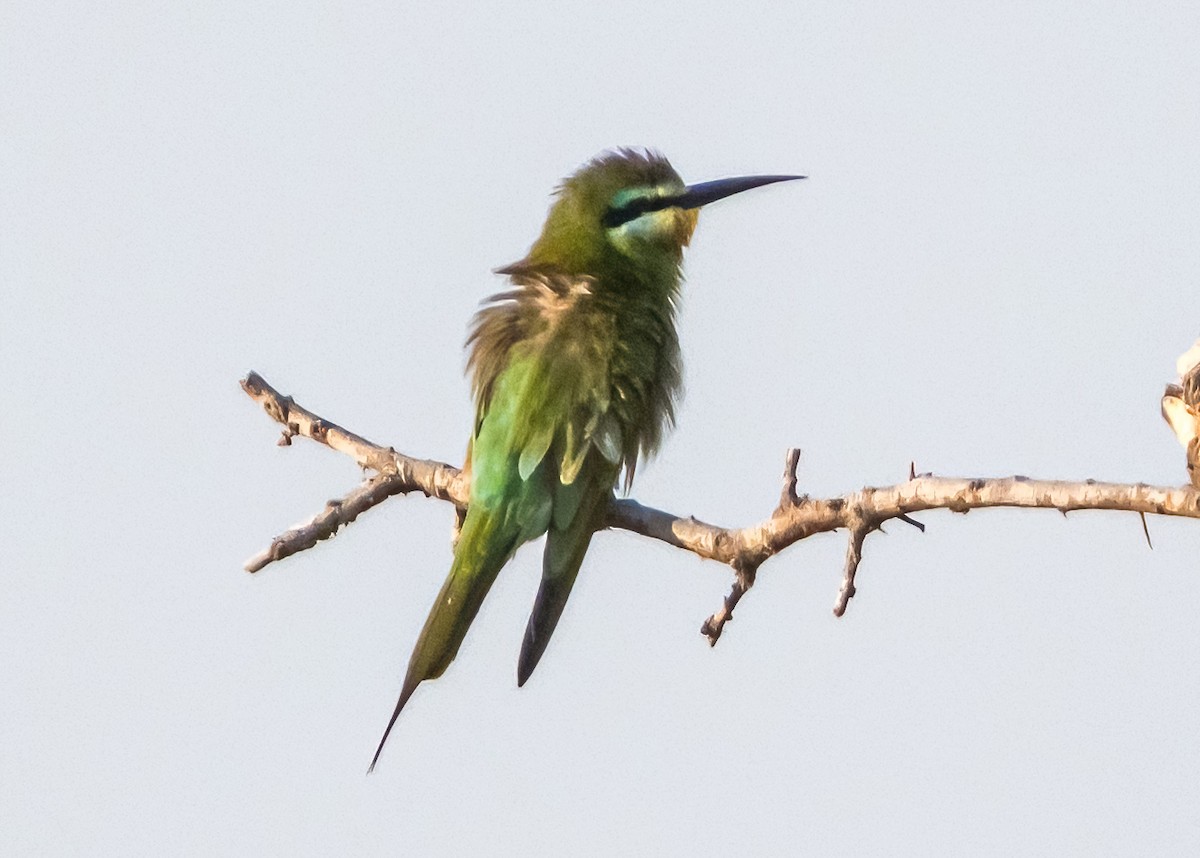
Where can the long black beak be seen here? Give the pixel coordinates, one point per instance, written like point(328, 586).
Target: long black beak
point(694, 196)
point(691, 197)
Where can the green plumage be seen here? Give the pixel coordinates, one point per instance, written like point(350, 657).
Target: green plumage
point(576, 372)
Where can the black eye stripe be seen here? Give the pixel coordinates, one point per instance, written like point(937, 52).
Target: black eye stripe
point(634, 209)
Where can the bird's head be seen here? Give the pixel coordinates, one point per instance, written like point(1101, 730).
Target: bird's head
point(623, 207)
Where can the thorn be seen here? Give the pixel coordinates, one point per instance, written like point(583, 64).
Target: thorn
point(1146, 530)
point(909, 520)
point(912, 470)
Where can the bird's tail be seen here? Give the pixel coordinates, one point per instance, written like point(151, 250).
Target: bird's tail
point(565, 548)
point(484, 546)
point(548, 606)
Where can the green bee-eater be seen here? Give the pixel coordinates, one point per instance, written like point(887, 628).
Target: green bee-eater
point(576, 373)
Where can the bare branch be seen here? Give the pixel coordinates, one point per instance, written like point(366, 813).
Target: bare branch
point(858, 535)
point(298, 420)
point(325, 524)
point(797, 517)
point(742, 581)
point(434, 479)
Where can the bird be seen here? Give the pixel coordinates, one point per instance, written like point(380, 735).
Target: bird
point(576, 374)
point(1181, 408)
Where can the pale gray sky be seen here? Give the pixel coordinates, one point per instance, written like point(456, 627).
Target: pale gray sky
point(991, 270)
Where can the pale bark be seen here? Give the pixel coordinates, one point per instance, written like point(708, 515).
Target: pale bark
point(796, 517)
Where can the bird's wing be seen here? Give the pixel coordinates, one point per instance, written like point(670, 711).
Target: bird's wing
point(567, 427)
point(584, 457)
point(509, 506)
